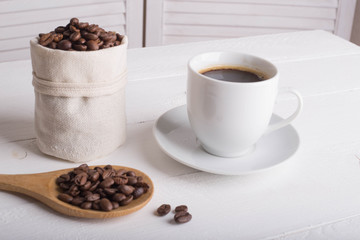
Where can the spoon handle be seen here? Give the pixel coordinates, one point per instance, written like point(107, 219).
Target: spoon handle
point(29, 184)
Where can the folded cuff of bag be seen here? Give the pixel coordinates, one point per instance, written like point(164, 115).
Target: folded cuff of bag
point(61, 89)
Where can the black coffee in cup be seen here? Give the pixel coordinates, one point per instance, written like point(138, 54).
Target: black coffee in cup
point(233, 74)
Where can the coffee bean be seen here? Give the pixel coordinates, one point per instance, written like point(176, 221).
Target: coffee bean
point(138, 192)
point(57, 37)
point(105, 204)
point(46, 39)
point(78, 171)
point(163, 209)
point(64, 186)
point(118, 197)
point(41, 35)
point(83, 167)
point(77, 200)
point(96, 204)
point(126, 189)
point(66, 33)
point(79, 47)
point(101, 29)
point(80, 179)
point(74, 21)
point(105, 36)
point(132, 180)
point(104, 46)
point(83, 25)
point(64, 45)
point(94, 186)
point(106, 183)
point(85, 193)
point(182, 217)
point(90, 171)
point(120, 172)
point(75, 36)
point(108, 167)
point(111, 37)
point(66, 177)
point(143, 185)
point(86, 186)
point(86, 205)
point(92, 28)
point(126, 201)
point(60, 29)
point(181, 208)
point(110, 191)
point(101, 192)
point(92, 45)
point(81, 41)
point(94, 177)
point(99, 170)
point(60, 180)
point(73, 29)
point(115, 205)
point(65, 197)
point(91, 36)
point(98, 32)
point(71, 174)
point(107, 172)
point(92, 197)
point(109, 44)
point(73, 190)
point(130, 174)
point(120, 180)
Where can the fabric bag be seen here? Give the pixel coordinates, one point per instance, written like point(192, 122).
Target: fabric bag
point(79, 101)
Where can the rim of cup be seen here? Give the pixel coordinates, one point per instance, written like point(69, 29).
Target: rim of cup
point(271, 67)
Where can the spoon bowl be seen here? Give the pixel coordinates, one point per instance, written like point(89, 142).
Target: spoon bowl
point(42, 186)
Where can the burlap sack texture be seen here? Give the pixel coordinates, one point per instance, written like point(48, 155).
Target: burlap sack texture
point(79, 101)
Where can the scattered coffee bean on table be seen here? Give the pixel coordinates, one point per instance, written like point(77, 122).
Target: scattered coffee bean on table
point(181, 208)
point(181, 213)
point(182, 217)
point(163, 209)
point(102, 189)
point(80, 36)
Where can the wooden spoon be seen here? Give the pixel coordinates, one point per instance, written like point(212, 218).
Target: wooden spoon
point(42, 187)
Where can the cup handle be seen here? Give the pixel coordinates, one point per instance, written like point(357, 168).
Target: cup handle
point(288, 120)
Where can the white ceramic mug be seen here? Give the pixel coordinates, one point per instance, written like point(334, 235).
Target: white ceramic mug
point(228, 118)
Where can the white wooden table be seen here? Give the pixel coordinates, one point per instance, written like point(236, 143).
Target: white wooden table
point(315, 196)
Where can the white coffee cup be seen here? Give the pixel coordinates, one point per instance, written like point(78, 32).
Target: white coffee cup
point(228, 118)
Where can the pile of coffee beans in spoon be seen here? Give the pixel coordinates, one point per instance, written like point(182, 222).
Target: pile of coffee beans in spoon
point(102, 189)
point(80, 36)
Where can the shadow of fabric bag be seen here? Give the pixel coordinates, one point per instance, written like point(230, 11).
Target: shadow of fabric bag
point(79, 101)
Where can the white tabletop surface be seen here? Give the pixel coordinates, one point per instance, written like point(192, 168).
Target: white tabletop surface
point(314, 196)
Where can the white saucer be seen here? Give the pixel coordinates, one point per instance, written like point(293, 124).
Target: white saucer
point(173, 133)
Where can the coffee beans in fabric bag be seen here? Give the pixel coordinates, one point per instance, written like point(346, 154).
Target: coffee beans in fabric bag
point(80, 36)
point(102, 189)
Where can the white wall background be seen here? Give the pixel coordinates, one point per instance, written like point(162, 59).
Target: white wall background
point(178, 21)
point(160, 22)
point(21, 20)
